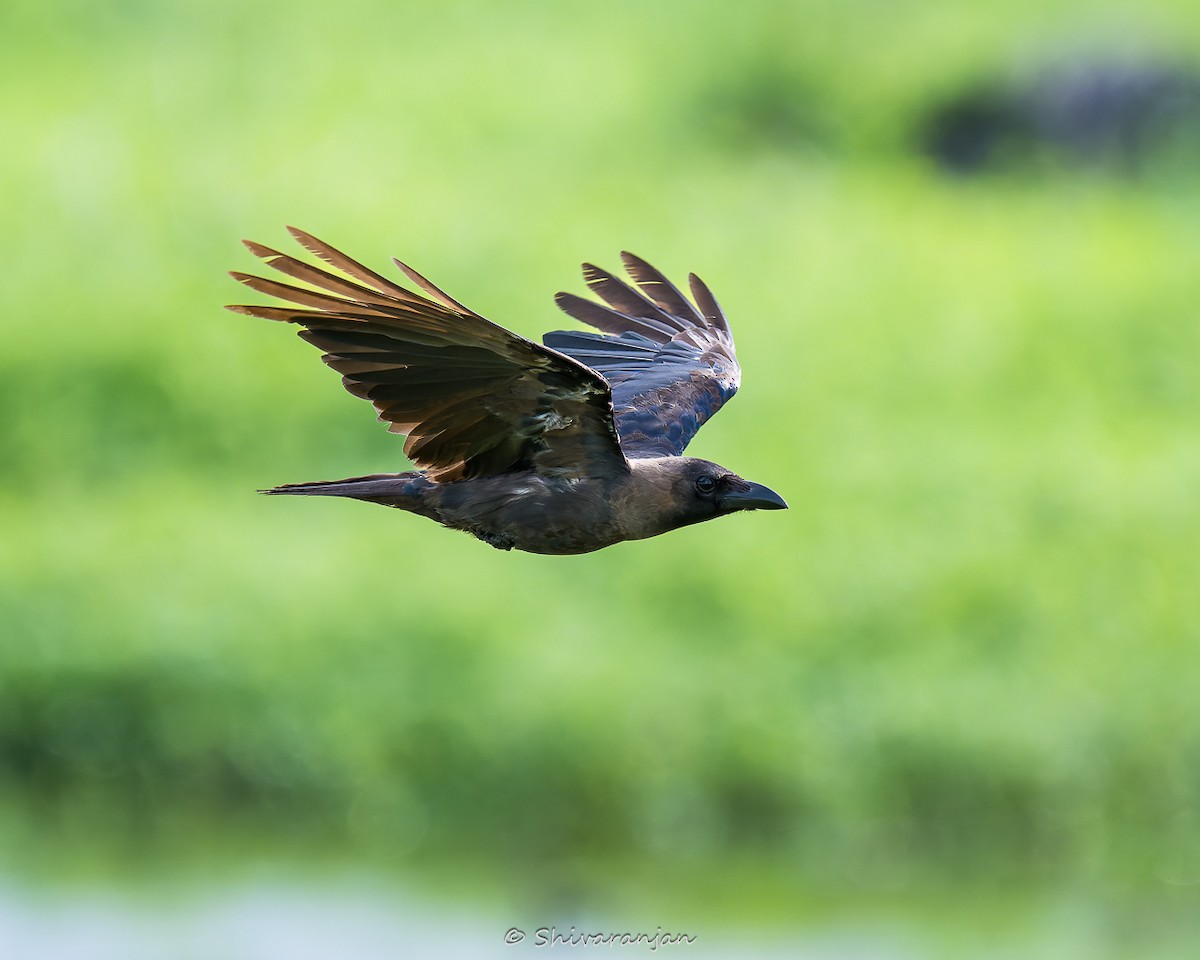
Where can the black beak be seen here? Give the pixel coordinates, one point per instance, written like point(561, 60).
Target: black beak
point(753, 496)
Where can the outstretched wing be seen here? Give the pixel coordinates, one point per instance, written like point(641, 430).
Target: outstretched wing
point(475, 399)
point(670, 361)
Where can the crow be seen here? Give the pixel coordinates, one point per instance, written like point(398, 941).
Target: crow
point(563, 447)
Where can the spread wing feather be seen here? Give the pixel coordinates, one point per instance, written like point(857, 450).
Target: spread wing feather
point(670, 361)
point(474, 398)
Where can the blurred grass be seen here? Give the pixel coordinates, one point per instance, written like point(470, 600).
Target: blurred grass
point(967, 651)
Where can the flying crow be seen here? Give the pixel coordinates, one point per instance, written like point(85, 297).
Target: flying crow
point(559, 449)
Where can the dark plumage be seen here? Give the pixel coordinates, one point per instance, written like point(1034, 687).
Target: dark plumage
point(563, 448)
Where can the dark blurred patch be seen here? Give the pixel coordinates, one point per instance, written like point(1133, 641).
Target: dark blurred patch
point(766, 103)
point(161, 736)
point(1101, 114)
point(754, 809)
point(966, 805)
point(532, 800)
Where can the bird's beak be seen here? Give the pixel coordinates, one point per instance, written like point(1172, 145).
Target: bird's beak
point(754, 496)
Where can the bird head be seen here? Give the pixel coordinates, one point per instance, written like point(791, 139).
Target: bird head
point(713, 488)
point(690, 490)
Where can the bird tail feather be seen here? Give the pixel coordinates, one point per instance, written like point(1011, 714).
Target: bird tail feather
point(403, 490)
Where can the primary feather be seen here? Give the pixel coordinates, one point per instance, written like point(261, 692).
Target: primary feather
point(671, 363)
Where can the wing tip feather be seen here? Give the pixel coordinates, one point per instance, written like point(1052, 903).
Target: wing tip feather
point(303, 237)
point(265, 253)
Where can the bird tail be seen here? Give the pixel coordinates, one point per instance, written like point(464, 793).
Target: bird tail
point(403, 490)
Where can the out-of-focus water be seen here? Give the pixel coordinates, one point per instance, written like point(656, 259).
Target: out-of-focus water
point(366, 917)
point(355, 920)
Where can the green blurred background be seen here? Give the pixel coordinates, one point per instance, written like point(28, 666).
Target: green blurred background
point(953, 691)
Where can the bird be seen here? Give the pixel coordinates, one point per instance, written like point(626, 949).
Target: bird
point(559, 448)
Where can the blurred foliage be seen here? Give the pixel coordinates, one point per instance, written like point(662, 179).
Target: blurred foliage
point(969, 648)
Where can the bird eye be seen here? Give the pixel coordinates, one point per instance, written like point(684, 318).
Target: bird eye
point(705, 484)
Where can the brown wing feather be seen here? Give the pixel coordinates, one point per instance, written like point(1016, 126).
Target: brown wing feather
point(352, 268)
point(474, 398)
